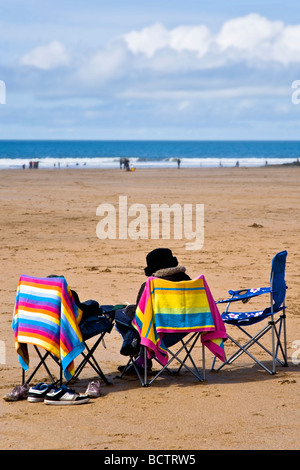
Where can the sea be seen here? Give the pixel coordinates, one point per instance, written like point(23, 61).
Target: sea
point(106, 154)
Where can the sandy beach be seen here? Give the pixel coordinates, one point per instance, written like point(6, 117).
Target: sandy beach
point(48, 225)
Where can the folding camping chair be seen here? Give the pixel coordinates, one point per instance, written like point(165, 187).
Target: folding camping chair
point(176, 315)
point(273, 315)
point(47, 317)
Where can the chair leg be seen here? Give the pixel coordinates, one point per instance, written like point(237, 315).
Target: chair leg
point(195, 372)
point(145, 367)
point(89, 358)
point(130, 360)
point(188, 351)
point(203, 362)
point(281, 344)
point(255, 339)
point(242, 349)
point(60, 375)
point(132, 363)
point(271, 322)
point(43, 363)
point(185, 346)
point(284, 348)
point(213, 364)
point(284, 339)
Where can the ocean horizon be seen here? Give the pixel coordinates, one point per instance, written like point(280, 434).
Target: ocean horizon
point(106, 154)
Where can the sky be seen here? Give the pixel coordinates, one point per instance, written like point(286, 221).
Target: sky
point(149, 70)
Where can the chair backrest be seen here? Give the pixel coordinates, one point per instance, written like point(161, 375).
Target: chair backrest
point(46, 315)
point(277, 278)
point(178, 307)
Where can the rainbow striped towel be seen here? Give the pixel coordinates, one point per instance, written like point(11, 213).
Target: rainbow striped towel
point(178, 307)
point(46, 315)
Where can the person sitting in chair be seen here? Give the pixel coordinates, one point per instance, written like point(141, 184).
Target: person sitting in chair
point(160, 263)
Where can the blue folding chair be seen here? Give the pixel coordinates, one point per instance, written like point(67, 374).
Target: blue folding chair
point(276, 324)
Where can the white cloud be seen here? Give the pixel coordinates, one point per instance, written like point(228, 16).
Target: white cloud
point(147, 41)
point(156, 37)
point(191, 38)
point(47, 57)
point(255, 38)
point(185, 63)
point(105, 64)
point(251, 38)
point(248, 33)
point(287, 48)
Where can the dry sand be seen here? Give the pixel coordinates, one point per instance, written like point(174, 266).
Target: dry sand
point(48, 225)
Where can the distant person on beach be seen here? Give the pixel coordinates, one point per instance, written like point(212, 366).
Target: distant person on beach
point(160, 263)
point(178, 162)
point(126, 164)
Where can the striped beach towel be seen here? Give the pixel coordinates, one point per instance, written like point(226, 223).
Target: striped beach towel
point(178, 307)
point(46, 315)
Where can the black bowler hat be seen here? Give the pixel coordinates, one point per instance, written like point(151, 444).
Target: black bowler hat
point(160, 258)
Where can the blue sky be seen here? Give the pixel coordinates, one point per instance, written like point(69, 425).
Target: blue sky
point(163, 69)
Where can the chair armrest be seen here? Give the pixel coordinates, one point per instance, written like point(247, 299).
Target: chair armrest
point(244, 295)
